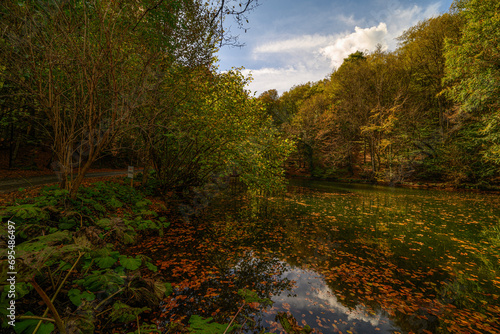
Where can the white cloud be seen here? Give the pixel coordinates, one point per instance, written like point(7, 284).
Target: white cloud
point(403, 18)
point(305, 42)
point(358, 313)
point(306, 58)
point(282, 79)
point(360, 39)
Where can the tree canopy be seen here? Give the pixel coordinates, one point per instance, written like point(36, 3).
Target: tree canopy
point(426, 111)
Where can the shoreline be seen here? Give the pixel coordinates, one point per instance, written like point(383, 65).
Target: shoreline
point(489, 189)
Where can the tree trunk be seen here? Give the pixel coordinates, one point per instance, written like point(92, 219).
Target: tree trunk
point(75, 184)
point(372, 155)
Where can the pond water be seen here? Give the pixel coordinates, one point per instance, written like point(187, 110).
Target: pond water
point(339, 258)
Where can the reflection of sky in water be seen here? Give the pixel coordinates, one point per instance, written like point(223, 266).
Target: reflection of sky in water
point(311, 302)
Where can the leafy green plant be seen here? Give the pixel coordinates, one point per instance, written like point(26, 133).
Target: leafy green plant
point(56, 228)
point(105, 262)
point(76, 296)
point(114, 203)
point(146, 328)
point(102, 280)
point(199, 325)
point(130, 263)
point(25, 211)
point(250, 296)
point(27, 325)
point(125, 313)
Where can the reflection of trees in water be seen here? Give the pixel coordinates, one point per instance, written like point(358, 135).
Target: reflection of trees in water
point(218, 295)
point(369, 256)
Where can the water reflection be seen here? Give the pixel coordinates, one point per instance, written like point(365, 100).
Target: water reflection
point(419, 258)
point(316, 305)
point(343, 258)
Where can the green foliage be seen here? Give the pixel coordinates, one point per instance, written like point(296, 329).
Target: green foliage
point(49, 249)
point(472, 68)
point(76, 296)
point(289, 324)
point(199, 325)
point(67, 223)
point(42, 242)
point(104, 223)
point(22, 289)
point(425, 111)
point(105, 262)
point(250, 296)
point(114, 39)
point(54, 210)
point(124, 313)
point(354, 57)
point(167, 289)
point(218, 130)
point(25, 212)
point(27, 326)
point(332, 173)
point(106, 195)
point(151, 266)
point(100, 280)
point(114, 203)
point(142, 203)
point(130, 263)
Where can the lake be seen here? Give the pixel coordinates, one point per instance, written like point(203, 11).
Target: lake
point(339, 258)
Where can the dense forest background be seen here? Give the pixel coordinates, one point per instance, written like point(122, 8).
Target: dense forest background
point(85, 81)
point(427, 111)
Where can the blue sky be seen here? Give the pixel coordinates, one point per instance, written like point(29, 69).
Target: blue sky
point(290, 42)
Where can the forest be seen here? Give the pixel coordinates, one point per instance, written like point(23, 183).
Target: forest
point(427, 111)
point(86, 84)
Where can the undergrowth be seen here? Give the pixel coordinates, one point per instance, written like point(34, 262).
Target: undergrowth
point(70, 250)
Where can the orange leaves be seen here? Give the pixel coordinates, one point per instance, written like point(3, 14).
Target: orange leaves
point(254, 305)
point(347, 267)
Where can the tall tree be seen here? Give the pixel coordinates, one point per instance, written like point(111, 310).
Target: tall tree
point(89, 65)
point(422, 49)
point(83, 64)
point(473, 69)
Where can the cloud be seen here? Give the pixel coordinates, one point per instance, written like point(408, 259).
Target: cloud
point(303, 58)
point(360, 39)
point(360, 312)
point(309, 57)
point(282, 78)
point(349, 20)
point(399, 18)
point(305, 42)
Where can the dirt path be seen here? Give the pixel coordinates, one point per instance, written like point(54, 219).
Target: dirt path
point(15, 184)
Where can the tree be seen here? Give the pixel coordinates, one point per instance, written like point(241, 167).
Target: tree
point(89, 65)
point(238, 9)
point(304, 124)
point(213, 128)
point(422, 49)
point(271, 101)
point(473, 69)
point(79, 62)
